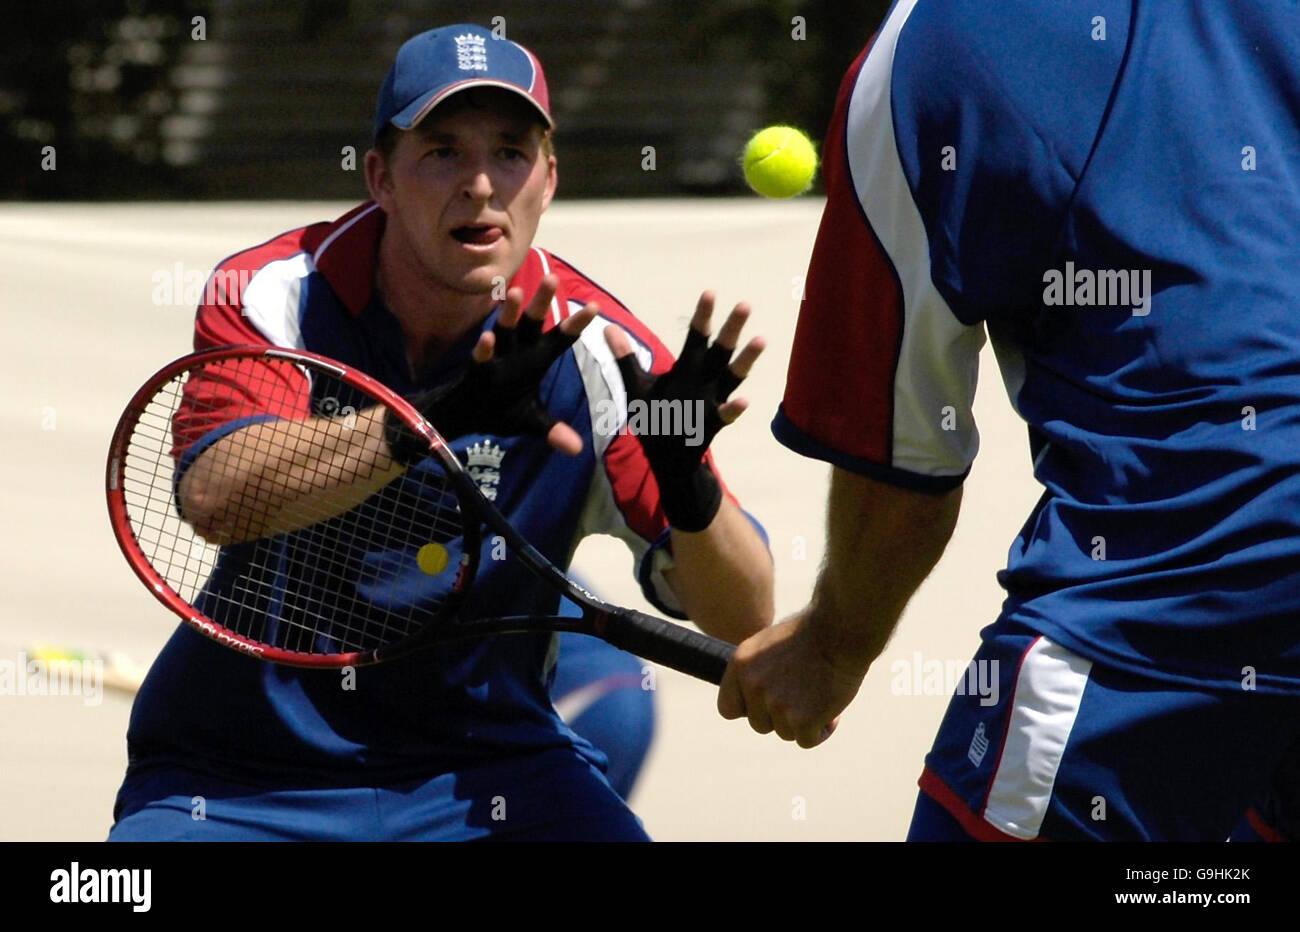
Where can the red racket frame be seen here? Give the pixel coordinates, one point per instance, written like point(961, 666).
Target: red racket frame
point(135, 556)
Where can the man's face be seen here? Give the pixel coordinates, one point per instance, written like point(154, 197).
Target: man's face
point(465, 190)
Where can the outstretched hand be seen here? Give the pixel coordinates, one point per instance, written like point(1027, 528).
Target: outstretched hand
point(514, 356)
point(497, 393)
point(702, 376)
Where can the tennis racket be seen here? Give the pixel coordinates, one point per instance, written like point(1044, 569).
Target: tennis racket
point(324, 552)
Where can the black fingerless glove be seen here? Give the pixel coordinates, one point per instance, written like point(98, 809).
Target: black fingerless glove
point(497, 397)
point(689, 490)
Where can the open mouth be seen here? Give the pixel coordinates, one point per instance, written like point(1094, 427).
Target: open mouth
point(477, 234)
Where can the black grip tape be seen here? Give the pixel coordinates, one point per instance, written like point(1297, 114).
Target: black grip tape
point(672, 645)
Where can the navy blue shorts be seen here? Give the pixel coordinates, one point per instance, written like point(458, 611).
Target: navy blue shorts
point(601, 693)
point(1064, 749)
point(549, 796)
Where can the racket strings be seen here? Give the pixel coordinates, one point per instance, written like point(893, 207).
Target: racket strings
point(305, 566)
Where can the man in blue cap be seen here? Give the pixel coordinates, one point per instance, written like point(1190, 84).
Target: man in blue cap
point(423, 287)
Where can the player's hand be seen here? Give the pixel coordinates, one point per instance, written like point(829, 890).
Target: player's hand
point(497, 392)
point(703, 378)
point(789, 679)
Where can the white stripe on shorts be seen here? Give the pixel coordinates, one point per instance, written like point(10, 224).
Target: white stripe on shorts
point(1049, 689)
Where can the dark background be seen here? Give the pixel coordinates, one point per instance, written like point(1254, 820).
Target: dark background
point(135, 106)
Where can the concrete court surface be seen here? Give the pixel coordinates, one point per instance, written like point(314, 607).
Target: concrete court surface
point(81, 331)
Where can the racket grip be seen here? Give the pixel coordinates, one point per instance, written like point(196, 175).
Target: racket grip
point(672, 645)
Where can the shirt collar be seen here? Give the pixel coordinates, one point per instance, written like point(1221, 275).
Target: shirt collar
point(348, 252)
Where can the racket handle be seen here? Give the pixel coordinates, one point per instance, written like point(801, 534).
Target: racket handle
point(672, 645)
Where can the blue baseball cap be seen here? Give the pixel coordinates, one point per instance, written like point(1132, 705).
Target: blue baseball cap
point(436, 64)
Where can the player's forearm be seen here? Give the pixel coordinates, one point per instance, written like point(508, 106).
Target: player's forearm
point(882, 542)
point(283, 475)
point(723, 576)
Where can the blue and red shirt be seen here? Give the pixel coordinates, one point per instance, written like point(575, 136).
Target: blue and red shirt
point(1111, 190)
point(206, 707)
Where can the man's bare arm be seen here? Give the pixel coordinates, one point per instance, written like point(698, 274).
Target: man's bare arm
point(722, 572)
point(284, 475)
point(797, 676)
point(882, 542)
point(723, 576)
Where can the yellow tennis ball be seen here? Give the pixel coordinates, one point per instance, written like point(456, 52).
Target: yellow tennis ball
point(432, 559)
point(780, 161)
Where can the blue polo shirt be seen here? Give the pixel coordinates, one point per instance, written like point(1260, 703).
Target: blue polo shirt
point(1110, 191)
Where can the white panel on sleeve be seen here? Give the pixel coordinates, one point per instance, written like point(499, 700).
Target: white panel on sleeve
point(939, 357)
point(607, 405)
point(271, 299)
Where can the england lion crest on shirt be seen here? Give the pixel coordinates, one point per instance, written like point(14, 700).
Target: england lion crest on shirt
point(483, 463)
